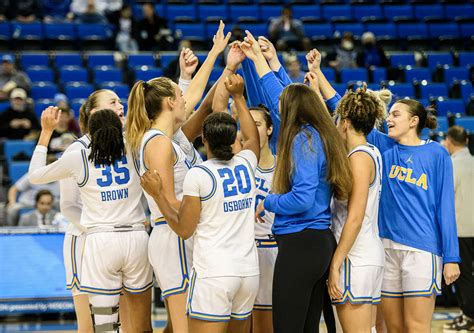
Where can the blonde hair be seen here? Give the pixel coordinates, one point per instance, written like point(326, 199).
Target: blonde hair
point(363, 108)
point(145, 104)
point(300, 105)
point(86, 108)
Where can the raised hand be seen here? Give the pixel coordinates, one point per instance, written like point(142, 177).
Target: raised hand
point(268, 49)
point(50, 118)
point(250, 47)
point(314, 60)
point(151, 183)
point(220, 40)
point(311, 80)
point(188, 63)
point(235, 85)
point(235, 56)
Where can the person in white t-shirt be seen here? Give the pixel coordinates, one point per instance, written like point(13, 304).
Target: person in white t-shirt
point(218, 209)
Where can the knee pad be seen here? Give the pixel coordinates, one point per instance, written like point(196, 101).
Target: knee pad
point(105, 312)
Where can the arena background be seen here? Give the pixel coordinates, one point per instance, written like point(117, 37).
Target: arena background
point(428, 45)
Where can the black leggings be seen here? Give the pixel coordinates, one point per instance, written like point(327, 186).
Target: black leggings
point(299, 280)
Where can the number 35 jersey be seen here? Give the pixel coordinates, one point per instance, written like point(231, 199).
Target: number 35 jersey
point(110, 194)
point(224, 239)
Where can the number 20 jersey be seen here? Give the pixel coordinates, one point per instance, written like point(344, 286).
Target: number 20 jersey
point(224, 238)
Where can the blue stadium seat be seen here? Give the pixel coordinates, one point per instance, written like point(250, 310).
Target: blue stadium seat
point(13, 147)
point(410, 30)
point(165, 59)
point(386, 30)
point(466, 90)
point(466, 29)
point(76, 105)
point(68, 59)
point(357, 29)
point(363, 11)
point(194, 31)
point(433, 90)
point(174, 11)
point(418, 74)
point(215, 74)
point(423, 11)
point(135, 60)
point(300, 11)
point(397, 60)
point(392, 11)
point(379, 74)
point(44, 90)
point(269, 11)
point(452, 11)
point(122, 90)
point(354, 74)
point(16, 170)
point(450, 105)
point(329, 73)
point(28, 31)
point(97, 32)
point(4, 105)
point(257, 29)
point(466, 58)
point(455, 73)
point(73, 74)
point(5, 31)
point(332, 11)
point(34, 59)
point(318, 30)
point(162, 9)
point(466, 122)
point(94, 60)
point(75, 90)
point(442, 124)
point(213, 11)
point(238, 12)
point(401, 90)
point(60, 31)
point(148, 74)
point(341, 88)
point(436, 59)
point(40, 73)
point(42, 104)
point(107, 74)
point(437, 30)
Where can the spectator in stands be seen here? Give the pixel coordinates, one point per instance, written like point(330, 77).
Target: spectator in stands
point(44, 214)
point(153, 32)
point(293, 66)
point(344, 55)
point(11, 78)
point(372, 55)
point(55, 10)
point(127, 31)
point(61, 101)
point(285, 32)
point(4, 4)
point(21, 195)
point(463, 170)
point(25, 11)
point(18, 121)
point(95, 11)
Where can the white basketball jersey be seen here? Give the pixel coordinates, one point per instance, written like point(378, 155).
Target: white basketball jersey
point(180, 168)
point(192, 155)
point(367, 248)
point(263, 180)
point(111, 194)
point(224, 239)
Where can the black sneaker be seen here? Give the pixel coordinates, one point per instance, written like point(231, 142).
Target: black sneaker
point(465, 325)
point(456, 320)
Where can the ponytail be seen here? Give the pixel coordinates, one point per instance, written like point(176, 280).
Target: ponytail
point(145, 104)
point(107, 145)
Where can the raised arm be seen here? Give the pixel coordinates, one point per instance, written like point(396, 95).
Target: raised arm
point(270, 54)
point(234, 59)
point(188, 63)
point(199, 82)
point(235, 86)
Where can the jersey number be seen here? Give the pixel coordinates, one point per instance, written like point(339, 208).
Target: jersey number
point(230, 176)
point(122, 175)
